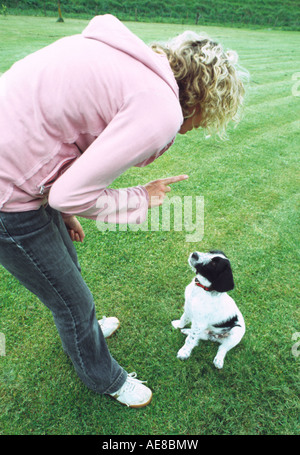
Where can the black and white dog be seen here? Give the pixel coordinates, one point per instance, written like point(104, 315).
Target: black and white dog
point(212, 313)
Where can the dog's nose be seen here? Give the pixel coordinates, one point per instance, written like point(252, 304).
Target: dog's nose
point(195, 256)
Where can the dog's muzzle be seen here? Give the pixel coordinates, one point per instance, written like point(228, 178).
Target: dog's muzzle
point(198, 258)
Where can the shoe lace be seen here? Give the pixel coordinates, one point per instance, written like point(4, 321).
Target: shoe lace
point(131, 382)
point(129, 385)
point(102, 321)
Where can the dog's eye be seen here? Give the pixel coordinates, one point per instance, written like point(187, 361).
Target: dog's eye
point(215, 261)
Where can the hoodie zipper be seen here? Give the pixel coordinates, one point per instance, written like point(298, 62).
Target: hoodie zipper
point(57, 172)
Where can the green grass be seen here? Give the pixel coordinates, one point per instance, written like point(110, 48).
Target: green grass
point(249, 184)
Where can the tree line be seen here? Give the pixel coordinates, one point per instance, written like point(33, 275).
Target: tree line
point(272, 13)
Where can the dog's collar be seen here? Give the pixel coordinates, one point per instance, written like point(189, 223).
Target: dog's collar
point(197, 283)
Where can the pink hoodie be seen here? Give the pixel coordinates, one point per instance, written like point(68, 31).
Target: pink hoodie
point(77, 114)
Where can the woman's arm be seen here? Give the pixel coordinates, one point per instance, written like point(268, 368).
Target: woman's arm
point(144, 125)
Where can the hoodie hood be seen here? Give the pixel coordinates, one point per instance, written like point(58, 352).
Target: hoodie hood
point(109, 30)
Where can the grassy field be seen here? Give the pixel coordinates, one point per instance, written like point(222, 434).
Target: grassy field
point(250, 187)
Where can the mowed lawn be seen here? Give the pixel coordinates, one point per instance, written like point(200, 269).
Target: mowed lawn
point(250, 186)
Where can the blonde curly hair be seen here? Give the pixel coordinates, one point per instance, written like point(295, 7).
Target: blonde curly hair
point(208, 78)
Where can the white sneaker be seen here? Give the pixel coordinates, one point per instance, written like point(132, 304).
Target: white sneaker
point(109, 325)
point(133, 393)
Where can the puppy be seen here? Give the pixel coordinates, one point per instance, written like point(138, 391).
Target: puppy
point(212, 313)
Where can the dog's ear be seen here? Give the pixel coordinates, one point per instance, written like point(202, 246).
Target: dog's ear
point(224, 280)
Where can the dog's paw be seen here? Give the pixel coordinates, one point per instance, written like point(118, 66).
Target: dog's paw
point(218, 362)
point(183, 354)
point(176, 324)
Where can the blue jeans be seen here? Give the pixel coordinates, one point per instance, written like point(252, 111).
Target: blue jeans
point(36, 248)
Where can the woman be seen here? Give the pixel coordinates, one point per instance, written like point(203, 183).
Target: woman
point(73, 117)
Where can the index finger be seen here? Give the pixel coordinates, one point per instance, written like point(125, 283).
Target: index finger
point(178, 178)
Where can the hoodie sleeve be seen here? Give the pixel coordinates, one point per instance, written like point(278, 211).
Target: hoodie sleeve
point(144, 125)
